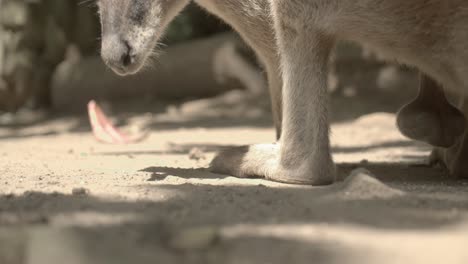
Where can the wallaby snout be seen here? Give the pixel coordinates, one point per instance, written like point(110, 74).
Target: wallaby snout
point(118, 54)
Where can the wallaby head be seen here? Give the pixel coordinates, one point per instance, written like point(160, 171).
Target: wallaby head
point(131, 29)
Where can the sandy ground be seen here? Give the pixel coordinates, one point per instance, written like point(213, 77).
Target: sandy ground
point(64, 198)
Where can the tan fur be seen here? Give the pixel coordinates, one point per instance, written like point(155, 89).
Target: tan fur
point(294, 38)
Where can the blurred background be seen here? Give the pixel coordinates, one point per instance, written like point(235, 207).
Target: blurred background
point(45, 44)
point(50, 65)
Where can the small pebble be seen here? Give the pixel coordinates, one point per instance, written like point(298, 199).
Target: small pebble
point(364, 162)
point(80, 191)
point(196, 154)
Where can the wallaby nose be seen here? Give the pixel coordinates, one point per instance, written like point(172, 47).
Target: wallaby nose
point(118, 54)
point(127, 57)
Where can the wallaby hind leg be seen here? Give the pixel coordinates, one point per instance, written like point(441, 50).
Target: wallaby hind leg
point(455, 158)
point(430, 117)
point(303, 153)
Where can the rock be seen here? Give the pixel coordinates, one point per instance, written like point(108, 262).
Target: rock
point(389, 78)
point(196, 154)
point(80, 191)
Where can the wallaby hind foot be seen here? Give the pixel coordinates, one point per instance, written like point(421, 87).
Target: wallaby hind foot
point(262, 161)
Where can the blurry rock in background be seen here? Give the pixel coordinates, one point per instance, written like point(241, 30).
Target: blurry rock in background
point(178, 73)
point(34, 37)
point(357, 71)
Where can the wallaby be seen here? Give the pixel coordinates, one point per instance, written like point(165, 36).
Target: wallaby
point(293, 39)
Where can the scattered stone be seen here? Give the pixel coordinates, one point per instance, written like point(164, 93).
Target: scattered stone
point(196, 154)
point(389, 78)
point(194, 239)
point(349, 91)
point(80, 191)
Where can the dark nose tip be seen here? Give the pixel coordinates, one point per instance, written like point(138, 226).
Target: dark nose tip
point(127, 57)
point(118, 53)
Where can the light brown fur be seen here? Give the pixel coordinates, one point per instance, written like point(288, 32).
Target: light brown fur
point(294, 38)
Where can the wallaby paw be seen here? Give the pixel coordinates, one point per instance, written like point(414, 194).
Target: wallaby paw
point(440, 126)
point(247, 161)
point(262, 161)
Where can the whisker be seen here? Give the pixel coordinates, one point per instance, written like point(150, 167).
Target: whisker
point(86, 2)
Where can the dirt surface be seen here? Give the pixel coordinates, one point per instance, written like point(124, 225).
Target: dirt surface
point(65, 198)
